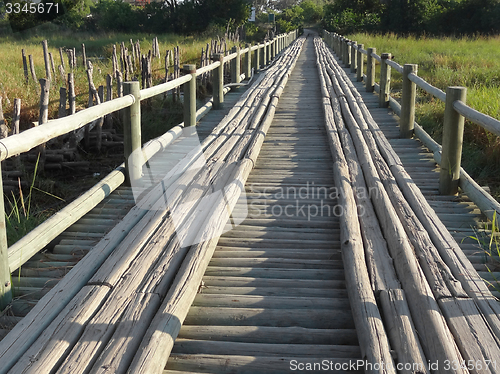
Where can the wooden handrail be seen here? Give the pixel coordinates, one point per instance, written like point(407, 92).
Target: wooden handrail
point(13, 257)
point(488, 205)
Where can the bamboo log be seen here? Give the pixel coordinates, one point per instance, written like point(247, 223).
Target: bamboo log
point(52, 65)
point(373, 342)
point(25, 66)
point(472, 349)
point(84, 55)
point(61, 57)
point(62, 102)
point(48, 74)
point(33, 74)
point(416, 288)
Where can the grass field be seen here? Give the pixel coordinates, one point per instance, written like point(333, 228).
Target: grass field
point(162, 116)
point(98, 49)
point(470, 62)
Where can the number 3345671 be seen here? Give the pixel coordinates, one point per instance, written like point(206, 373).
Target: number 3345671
point(32, 8)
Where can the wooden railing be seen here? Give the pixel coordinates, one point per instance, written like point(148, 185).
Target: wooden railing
point(448, 156)
point(15, 256)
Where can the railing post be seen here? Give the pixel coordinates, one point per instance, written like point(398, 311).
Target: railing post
point(5, 286)
point(248, 62)
point(353, 57)
point(407, 120)
point(235, 66)
point(256, 58)
point(132, 133)
point(370, 70)
point(385, 81)
point(359, 68)
point(218, 81)
point(190, 96)
point(264, 55)
point(347, 53)
point(453, 134)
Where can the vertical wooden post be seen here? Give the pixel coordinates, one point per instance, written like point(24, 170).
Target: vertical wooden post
point(218, 81)
point(52, 66)
point(264, 55)
point(353, 57)
point(347, 53)
point(407, 120)
point(84, 55)
point(25, 66)
point(236, 66)
point(359, 68)
point(453, 134)
point(256, 59)
point(190, 96)
point(62, 102)
point(132, 133)
point(61, 56)
point(385, 81)
point(72, 97)
point(5, 286)
point(48, 74)
point(248, 62)
point(370, 70)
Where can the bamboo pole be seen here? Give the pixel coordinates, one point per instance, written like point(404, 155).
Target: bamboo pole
point(61, 56)
point(190, 97)
point(62, 102)
point(453, 133)
point(84, 55)
point(407, 120)
point(5, 285)
point(33, 74)
point(25, 66)
point(132, 133)
point(72, 97)
point(48, 74)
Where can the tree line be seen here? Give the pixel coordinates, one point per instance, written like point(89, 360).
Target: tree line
point(434, 17)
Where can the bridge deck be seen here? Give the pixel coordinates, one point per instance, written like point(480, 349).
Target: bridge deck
point(274, 290)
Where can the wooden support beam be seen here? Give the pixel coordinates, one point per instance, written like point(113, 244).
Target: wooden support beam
point(218, 82)
point(132, 133)
point(407, 119)
point(370, 70)
point(385, 81)
point(360, 60)
point(190, 96)
point(453, 134)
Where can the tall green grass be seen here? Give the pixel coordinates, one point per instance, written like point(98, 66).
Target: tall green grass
point(99, 49)
point(473, 62)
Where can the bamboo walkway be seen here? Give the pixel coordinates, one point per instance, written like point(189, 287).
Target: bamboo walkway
point(276, 296)
point(274, 291)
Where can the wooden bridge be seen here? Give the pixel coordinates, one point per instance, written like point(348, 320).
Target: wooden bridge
point(294, 231)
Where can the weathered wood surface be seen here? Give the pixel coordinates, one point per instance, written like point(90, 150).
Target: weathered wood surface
point(383, 275)
point(281, 276)
point(424, 212)
point(471, 347)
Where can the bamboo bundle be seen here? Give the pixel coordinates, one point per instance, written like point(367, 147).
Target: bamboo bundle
point(448, 298)
point(238, 142)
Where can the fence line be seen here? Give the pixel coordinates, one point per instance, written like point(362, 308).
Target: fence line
point(13, 257)
point(452, 175)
